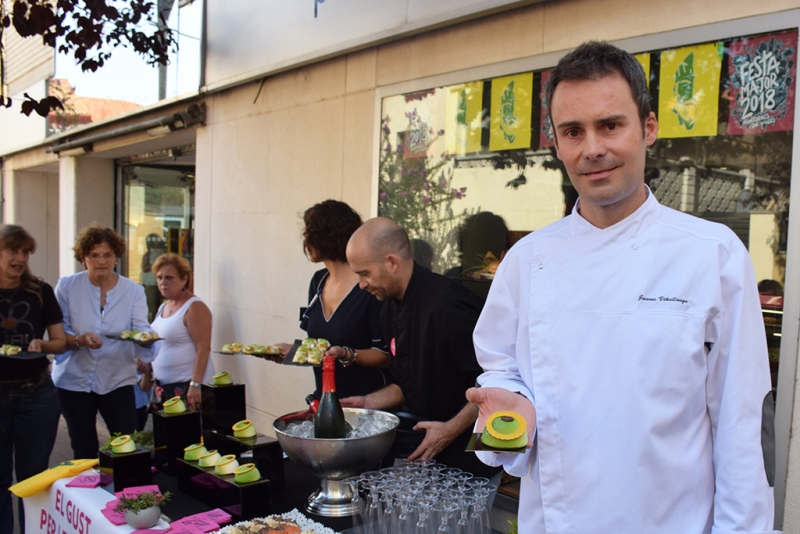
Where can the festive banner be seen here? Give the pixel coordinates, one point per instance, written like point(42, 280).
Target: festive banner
point(644, 61)
point(512, 98)
point(545, 127)
point(419, 135)
point(688, 103)
point(463, 121)
point(763, 79)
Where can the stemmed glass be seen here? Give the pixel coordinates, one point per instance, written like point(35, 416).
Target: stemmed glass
point(359, 517)
point(405, 495)
point(463, 524)
point(424, 506)
point(480, 513)
point(445, 507)
point(371, 481)
point(387, 487)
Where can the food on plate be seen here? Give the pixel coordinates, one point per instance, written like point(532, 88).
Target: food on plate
point(259, 349)
point(122, 445)
point(315, 356)
point(209, 459)
point(246, 473)
point(505, 430)
point(244, 429)
point(226, 465)
point(301, 356)
point(194, 452)
point(228, 348)
point(222, 379)
point(311, 351)
point(174, 405)
point(237, 347)
point(267, 525)
point(10, 350)
point(274, 349)
point(138, 335)
point(248, 349)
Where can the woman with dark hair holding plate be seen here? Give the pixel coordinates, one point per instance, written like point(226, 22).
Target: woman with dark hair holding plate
point(98, 371)
point(337, 309)
point(28, 400)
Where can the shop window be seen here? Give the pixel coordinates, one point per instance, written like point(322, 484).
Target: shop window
point(158, 217)
point(469, 169)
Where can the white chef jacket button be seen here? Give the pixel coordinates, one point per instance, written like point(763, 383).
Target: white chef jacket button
point(634, 247)
point(541, 266)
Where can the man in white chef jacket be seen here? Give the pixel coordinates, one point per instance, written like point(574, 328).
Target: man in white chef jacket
point(630, 337)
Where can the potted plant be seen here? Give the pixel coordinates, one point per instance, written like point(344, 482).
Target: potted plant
point(143, 510)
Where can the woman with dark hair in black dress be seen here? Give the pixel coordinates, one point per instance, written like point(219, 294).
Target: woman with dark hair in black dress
point(338, 310)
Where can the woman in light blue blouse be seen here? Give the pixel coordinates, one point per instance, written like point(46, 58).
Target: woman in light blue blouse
point(97, 373)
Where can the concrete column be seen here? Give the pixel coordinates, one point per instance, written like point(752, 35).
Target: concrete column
point(689, 179)
point(32, 201)
point(86, 195)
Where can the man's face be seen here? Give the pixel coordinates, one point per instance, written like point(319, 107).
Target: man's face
point(599, 139)
point(374, 275)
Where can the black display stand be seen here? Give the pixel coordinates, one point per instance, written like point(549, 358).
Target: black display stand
point(242, 501)
point(128, 469)
point(261, 450)
point(171, 434)
point(223, 407)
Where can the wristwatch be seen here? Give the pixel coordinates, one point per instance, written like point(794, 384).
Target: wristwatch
point(195, 384)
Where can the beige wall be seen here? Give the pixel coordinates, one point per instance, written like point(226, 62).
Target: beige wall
point(86, 192)
point(34, 205)
point(310, 135)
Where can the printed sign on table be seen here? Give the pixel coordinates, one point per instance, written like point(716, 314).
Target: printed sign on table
point(512, 98)
point(464, 110)
point(688, 102)
point(763, 74)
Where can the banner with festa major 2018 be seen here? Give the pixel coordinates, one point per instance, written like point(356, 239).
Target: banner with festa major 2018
point(763, 74)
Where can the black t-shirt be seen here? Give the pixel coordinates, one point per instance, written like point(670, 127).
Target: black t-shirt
point(23, 318)
point(431, 334)
point(356, 323)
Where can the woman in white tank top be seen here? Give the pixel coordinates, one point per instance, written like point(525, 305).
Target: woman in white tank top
point(183, 324)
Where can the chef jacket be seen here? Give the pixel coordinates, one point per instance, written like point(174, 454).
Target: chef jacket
point(643, 349)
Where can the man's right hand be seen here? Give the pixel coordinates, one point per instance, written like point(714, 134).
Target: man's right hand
point(491, 400)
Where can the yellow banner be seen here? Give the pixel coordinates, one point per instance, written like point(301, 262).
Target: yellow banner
point(644, 61)
point(689, 91)
point(463, 122)
point(512, 98)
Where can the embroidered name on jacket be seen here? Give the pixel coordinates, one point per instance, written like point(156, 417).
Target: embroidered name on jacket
point(663, 299)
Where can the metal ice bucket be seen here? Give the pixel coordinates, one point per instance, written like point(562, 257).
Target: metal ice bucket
point(333, 460)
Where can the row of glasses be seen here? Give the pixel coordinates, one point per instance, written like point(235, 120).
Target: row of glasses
point(420, 497)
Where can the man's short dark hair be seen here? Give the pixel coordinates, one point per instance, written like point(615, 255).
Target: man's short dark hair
point(594, 60)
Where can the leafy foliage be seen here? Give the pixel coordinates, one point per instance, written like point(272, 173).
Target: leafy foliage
point(142, 438)
point(143, 501)
point(415, 191)
point(88, 29)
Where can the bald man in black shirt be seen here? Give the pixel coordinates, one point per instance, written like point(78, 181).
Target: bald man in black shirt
point(428, 321)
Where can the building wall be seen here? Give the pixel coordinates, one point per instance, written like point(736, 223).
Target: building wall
point(267, 153)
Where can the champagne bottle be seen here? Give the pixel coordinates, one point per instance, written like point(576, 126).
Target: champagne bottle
point(329, 418)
